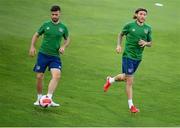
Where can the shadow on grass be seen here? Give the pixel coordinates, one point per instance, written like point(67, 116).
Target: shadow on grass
point(50, 110)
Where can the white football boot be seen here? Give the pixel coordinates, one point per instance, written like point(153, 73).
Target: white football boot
point(53, 104)
point(36, 103)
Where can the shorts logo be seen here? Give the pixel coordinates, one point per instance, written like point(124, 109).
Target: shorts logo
point(60, 67)
point(48, 28)
point(38, 67)
point(130, 70)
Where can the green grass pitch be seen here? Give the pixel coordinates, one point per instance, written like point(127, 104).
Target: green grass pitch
point(93, 26)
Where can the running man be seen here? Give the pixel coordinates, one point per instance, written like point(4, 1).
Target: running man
point(48, 56)
point(138, 36)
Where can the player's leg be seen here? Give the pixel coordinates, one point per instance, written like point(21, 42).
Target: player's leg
point(39, 82)
point(55, 68)
point(118, 78)
point(129, 90)
point(130, 68)
point(111, 80)
point(40, 68)
point(39, 86)
point(56, 73)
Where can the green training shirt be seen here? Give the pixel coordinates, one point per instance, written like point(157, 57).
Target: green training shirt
point(53, 34)
point(134, 33)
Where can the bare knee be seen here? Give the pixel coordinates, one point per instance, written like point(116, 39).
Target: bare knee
point(56, 74)
point(129, 80)
point(40, 76)
point(128, 83)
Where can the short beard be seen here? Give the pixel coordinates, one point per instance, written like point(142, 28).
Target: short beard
point(55, 20)
point(140, 21)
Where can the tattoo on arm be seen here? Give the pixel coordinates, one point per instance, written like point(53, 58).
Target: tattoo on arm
point(120, 38)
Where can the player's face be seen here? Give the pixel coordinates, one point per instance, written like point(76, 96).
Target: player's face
point(55, 16)
point(141, 16)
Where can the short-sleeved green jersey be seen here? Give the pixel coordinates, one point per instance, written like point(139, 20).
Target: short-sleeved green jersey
point(53, 34)
point(134, 33)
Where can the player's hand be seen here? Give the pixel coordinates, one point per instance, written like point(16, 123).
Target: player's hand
point(32, 51)
point(142, 43)
point(118, 49)
point(61, 50)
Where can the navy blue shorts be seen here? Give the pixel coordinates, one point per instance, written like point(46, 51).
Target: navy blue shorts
point(129, 66)
point(44, 61)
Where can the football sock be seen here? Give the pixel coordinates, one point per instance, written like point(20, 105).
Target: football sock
point(39, 96)
point(49, 95)
point(130, 103)
point(111, 80)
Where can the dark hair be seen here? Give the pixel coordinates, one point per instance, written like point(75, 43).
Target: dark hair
point(55, 8)
point(139, 9)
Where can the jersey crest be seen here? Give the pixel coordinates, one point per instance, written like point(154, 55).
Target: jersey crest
point(61, 30)
point(146, 31)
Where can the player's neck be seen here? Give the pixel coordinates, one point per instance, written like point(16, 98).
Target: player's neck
point(139, 23)
point(55, 22)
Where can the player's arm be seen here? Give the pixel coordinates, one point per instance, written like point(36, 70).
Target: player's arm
point(119, 42)
point(124, 31)
point(65, 45)
point(143, 43)
point(148, 42)
point(32, 50)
